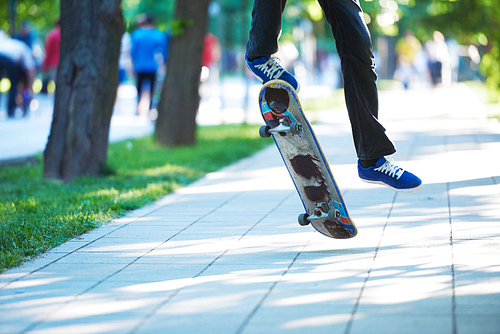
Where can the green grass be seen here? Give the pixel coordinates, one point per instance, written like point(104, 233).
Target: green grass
point(37, 214)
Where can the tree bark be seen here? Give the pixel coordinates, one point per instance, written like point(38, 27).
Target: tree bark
point(87, 82)
point(180, 99)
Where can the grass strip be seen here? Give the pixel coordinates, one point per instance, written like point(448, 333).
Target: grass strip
point(38, 214)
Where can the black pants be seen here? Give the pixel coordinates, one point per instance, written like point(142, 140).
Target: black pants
point(141, 77)
point(15, 73)
point(357, 62)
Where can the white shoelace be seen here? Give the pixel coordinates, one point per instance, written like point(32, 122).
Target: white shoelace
point(271, 68)
point(390, 169)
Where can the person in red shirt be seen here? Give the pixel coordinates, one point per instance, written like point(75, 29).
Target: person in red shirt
point(211, 50)
point(210, 57)
point(52, 49)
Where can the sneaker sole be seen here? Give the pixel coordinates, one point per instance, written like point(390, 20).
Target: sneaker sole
point(407, 190)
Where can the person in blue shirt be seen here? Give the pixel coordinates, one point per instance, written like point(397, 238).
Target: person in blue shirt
point(148, 52)
point(25, 34)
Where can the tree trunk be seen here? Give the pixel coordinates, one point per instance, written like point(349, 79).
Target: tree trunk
point(87, 81)
point(180, 99)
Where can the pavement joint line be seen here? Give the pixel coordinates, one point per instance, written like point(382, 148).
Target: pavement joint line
point(452, 267)
point(59, 258)
point(368, 273)
point(34, 324)
point(76, 296)
point(271, 288)
point(134, 219)
point(176, 292)
point(453, 282)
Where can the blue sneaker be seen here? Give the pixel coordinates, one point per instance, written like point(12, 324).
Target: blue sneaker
point(390, 175)
point(267, 68)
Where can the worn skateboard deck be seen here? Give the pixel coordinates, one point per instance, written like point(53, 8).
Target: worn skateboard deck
point(305, 161)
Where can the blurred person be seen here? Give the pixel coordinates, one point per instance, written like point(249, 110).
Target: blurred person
point(124, 62)
point(358, 67)
point(407, 49)
point(25, 34)
point(52, 51)
point(148, 52)
point(211, 55)
point(439, 59)
point(454, 52)
point(18, 65)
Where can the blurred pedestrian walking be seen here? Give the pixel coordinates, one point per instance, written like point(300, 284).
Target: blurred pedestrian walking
point(25, 34)
point(407, 49)
point(52, 50)
point(149, 51)
point(439, 59)
point(17, 64)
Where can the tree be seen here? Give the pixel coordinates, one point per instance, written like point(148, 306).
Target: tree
point(87, 81)
point(179, 100)
point(475, 22)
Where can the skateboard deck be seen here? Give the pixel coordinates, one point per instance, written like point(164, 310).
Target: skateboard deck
point(305, 161)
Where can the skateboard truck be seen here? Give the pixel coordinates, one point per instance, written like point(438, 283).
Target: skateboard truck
point(322, 211)
point(294, 128)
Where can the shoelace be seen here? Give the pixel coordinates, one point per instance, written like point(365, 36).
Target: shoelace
point(390, 169)
point(271, 68)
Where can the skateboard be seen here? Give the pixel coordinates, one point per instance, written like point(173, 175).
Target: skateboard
point(305, 161)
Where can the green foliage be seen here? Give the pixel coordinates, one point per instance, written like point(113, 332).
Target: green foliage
point(490, 66)
point(475, 22)
point(40, 13)
point(37, 214)
point(162, 11)
point(468, 21)
point(178, 26)
point(229, 20)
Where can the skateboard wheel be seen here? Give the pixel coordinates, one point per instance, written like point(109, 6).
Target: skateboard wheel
point(303, 219)
point(333, 214)
point(295, 128)
point(264, 131)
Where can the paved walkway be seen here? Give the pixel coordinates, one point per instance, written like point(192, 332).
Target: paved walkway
point(225, 255)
